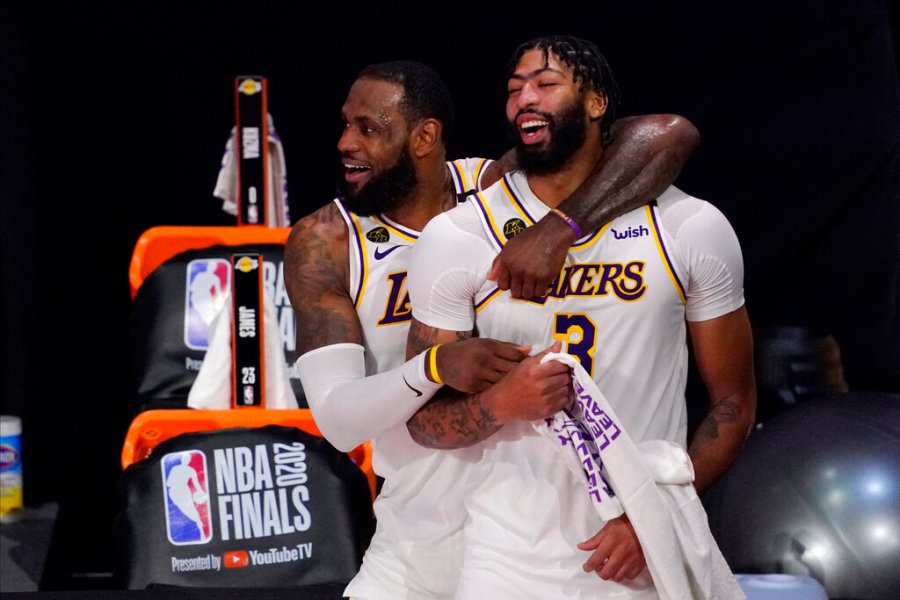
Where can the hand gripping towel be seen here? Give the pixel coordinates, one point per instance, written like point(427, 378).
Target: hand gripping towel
point(651, 482)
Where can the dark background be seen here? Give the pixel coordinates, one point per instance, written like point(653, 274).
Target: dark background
point(114, 118)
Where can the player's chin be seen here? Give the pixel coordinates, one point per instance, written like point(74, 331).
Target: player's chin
point(355, 181)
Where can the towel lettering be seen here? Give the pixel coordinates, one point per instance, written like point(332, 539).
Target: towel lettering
point(590, 430)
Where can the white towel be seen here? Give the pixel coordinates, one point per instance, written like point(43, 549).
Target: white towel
point(212, 387)
point(652, 482)
point(277, 202)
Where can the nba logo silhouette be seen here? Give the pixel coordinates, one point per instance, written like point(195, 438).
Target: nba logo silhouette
point(186, 494)
point(208, 283)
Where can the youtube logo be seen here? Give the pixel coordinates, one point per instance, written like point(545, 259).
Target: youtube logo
point(236, 559)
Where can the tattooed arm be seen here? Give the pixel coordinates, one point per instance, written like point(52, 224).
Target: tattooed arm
point(723, 348)
point(316, 270)
point(451, 419)
point(350, 406)
point(644, 158)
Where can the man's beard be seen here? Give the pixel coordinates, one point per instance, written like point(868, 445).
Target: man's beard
point(385, 192)
point(567, 136)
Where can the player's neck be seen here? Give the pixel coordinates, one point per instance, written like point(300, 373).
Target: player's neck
point(430, 197)
point(553, 188)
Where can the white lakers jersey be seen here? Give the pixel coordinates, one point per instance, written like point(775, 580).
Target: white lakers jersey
point(619, 306)
point(420, 485)
point(378, 268)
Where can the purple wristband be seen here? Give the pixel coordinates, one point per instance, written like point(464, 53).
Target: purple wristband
point(569, 221)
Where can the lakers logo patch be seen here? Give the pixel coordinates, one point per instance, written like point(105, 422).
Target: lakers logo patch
point(379, 235)
point(249, 87)
point(513, 227)
point(245, 264)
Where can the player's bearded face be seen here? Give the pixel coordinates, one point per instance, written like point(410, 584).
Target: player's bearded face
point(385, 191)
point(568, 130)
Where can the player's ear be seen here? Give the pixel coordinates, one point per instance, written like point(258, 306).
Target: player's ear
point(596, 105)
point(425, 137)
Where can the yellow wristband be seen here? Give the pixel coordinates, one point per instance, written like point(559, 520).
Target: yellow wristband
point(432, 364)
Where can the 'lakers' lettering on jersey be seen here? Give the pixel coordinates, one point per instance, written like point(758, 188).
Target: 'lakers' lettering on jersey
point(617, 289)
point(626, 279)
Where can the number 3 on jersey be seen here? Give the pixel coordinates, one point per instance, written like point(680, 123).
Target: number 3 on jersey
point(578, 333)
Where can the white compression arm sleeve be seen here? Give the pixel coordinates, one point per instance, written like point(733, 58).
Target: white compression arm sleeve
point(350, 408)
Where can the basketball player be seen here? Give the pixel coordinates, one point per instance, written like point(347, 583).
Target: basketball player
point(345, 269)
point(619, 306)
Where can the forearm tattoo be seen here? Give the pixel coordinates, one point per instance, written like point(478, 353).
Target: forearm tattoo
point(452, 420)
point(422, 337)
point(724, 412)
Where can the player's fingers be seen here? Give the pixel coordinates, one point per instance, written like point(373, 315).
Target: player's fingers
point(624, 569)
point(515, 285)
point(596, 562)
point(592, 542)
point(554, 347)
point(498, 369)
point(511, 352)
point(502, 358)
point(495, 269)
point(555, 375)
point(529, 289)
point(609, 568)
point(542, 286)
point(629, 573)
point(502, 277)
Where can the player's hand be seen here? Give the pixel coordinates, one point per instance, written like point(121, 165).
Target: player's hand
point(474, 364)
point(532, 390)
point(616, 552)
point(529, 262)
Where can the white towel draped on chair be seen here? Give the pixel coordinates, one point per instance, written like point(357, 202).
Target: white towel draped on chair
point(212, 387)
point(277, 203)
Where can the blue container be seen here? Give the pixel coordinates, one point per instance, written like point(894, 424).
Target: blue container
point(10, 468)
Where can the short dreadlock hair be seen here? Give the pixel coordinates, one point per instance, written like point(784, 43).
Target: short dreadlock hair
point(589, 68)
point(425, 95)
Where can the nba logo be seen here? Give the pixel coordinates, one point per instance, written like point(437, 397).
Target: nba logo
point(208, 283)
point(186, 493)
point(248, 394)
